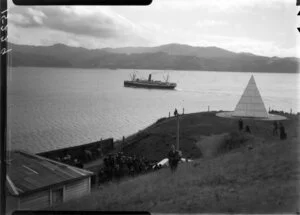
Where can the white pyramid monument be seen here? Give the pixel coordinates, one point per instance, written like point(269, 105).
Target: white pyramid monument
point(251, 103)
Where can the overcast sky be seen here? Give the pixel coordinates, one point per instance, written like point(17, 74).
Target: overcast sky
point(264, 27)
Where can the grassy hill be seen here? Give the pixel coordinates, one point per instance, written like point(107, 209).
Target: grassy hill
point(155, 141)
point(235, 172)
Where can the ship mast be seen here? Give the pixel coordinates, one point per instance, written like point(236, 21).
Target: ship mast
point(132, 76)
point(166, 78)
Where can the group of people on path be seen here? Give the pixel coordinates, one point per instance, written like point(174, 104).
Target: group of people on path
point(119, 165)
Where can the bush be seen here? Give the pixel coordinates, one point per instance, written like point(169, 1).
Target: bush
point(233, 141)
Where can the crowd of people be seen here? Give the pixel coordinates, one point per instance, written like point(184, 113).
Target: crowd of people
point(119, 165)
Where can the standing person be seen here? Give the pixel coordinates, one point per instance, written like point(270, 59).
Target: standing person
point(275, 128)
point(175, 112)
point(174, 158)
point(282, 131)
point(247, 129)
point(241, 124)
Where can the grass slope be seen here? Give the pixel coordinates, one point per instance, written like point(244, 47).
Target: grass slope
point(261, 180)
point(155, 141)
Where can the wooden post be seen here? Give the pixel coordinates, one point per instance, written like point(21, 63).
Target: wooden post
point(177, 136)
point(169, 114)
point(123, 144)
point(208, 108)
point(182, 111)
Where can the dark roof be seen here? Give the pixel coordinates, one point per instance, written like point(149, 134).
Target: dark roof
point(28, 172)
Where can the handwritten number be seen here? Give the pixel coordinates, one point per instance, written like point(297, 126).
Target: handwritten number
point(4, 28)
point(5, 51)
point(4, 11)
point(3, 39)
point(3, 17)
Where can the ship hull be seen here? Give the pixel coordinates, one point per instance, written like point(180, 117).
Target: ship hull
point(149, 85)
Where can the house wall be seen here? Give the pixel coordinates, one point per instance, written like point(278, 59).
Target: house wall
point(43, 199)
point(12, 204)
point(35, 201)
point(77, 189)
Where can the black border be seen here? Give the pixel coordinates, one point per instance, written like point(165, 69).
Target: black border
point(3, 103)
point(82, 2)
point(3, 96)
point(26, 212)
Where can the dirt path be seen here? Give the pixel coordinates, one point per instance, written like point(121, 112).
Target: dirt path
point(209, 144)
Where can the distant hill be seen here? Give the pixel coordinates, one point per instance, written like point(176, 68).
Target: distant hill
point(170, 56)
point(177, 49)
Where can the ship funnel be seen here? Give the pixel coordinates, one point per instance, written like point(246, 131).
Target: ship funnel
point(149, 79)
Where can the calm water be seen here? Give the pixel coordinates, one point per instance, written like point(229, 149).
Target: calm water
point(51, 108)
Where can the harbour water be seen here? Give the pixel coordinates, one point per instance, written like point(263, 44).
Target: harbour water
point(51, 108)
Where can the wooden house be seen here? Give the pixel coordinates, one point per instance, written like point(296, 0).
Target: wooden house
point(35, 182)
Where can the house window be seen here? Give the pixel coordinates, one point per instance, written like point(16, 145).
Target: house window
point(57, 196)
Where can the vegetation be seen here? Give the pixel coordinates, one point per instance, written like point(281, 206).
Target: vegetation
point(233, 141)
point(240, 173)
point(262, 180)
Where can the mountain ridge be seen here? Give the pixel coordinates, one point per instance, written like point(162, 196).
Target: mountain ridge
point(169, 56)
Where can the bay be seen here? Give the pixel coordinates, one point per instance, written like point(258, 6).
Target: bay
point(50, 108)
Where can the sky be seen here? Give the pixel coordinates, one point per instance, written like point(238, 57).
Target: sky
point(262, 27)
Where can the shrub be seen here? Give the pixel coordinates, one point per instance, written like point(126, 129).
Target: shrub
point(233, 141)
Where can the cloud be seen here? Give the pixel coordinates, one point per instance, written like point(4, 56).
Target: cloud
point(244, 44)
point(87, 21)
point(222, 5)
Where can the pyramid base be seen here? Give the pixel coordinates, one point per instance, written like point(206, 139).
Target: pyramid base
point(271, 117)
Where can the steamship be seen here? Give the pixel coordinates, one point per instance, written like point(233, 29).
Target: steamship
point(152, 84)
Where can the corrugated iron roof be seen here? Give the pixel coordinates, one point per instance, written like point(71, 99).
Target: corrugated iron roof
point(28, 172)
